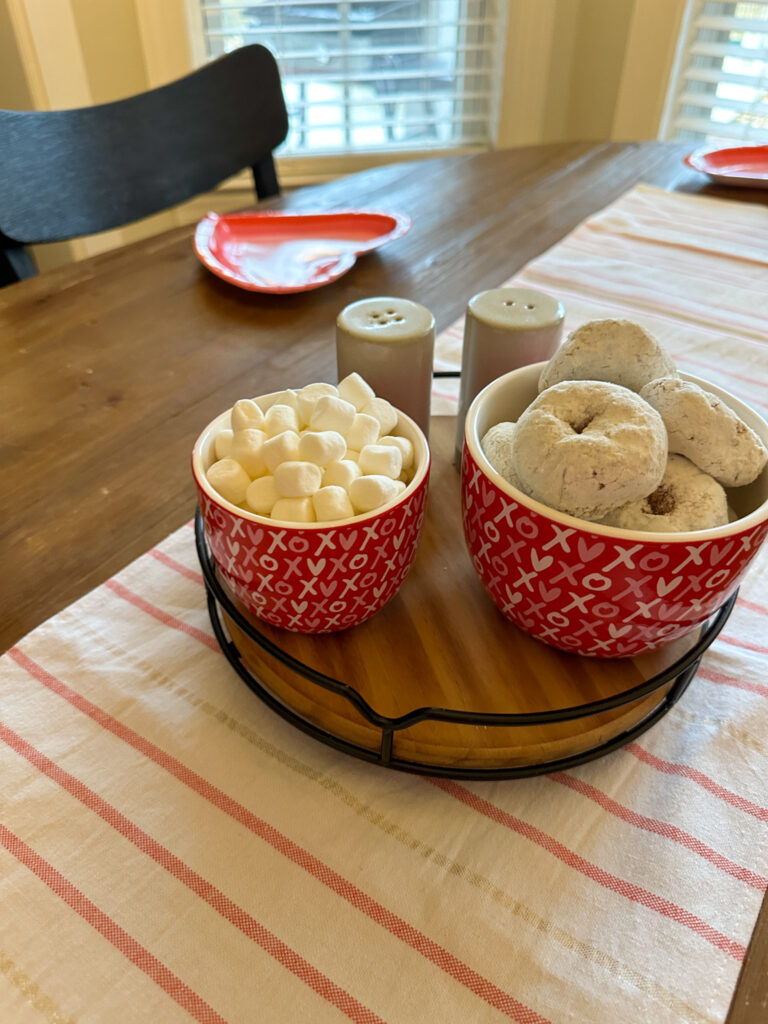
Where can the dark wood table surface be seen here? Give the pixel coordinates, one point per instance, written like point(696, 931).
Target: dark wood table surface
point(109, 368)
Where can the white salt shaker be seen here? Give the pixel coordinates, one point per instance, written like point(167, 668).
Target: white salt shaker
point(504, 328)
point(390, 342)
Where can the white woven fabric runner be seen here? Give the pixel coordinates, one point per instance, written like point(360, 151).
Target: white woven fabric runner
point(171, 850)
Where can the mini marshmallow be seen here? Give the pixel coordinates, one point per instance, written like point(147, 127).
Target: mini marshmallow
point(287, 397)
point(261, 495)
point(222, 444)
point(365, 430)
point(356, 390)
point(381, 460)
point(229, 479)
point(307, 399)
point(332, 503)
point(322, 446)
point(370, 492)
point(279, 418)
point(280, 448)
point(341, 473)
point(294, 510)
point(297, 479)
point(332, 413)
point(405, 446)
point(246, 413)
point(384, 412)
point(352, 455)
point(246, 449)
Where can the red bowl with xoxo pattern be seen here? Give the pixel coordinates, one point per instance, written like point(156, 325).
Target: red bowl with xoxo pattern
point(313, 577)
point(597, 590)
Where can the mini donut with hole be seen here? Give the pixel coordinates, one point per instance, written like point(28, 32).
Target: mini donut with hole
point(587, 447)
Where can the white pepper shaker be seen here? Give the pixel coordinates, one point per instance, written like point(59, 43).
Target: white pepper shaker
point(390, 342)
point(504, 328)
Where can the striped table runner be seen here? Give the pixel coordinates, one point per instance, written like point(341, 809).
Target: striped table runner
point(171, 850)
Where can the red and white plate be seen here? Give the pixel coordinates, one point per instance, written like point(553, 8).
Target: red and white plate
point(741, 165)
point(279, 251)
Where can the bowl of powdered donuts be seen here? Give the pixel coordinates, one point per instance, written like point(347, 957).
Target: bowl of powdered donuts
point(611, 503)
point(312, 502)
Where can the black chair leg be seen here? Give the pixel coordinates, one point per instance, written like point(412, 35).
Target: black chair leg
point(265, 178)
point(16, 264)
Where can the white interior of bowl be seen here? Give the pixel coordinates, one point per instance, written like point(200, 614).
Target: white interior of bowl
point(506, 398)
point(203, 456)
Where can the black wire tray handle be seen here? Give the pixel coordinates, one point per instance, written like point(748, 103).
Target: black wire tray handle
point(681, 671)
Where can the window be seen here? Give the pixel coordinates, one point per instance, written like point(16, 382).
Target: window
point(719, 88)
point(364, 76)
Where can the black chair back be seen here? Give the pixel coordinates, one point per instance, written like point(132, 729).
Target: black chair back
point(68, 173)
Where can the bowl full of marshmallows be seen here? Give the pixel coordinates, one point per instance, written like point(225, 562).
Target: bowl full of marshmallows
point(312, 502)
point(611, 503)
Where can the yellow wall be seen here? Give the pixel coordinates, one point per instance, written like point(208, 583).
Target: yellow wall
point(599, 49)
point(112, 51)
point(14, 88)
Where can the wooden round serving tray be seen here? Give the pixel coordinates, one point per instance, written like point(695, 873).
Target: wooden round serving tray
point(442, 644)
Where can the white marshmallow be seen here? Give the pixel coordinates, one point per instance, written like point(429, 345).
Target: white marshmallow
point(307, 398)
point(279, 418)
point(280, 448)
point(222, 444)
point(322, 446)
point(365, 430)
point(356, 390)
point(341, 473)
point(370, 492)
point(381, 460)
point(332, 413)
point(246, 449)
point(297, 479)
point(352, 456)
point(287, 397)
point(261, 495)
point(332, 503)
point(294, 510)
point(404, 444)
point(229, 479)
point(384, 412)
point(246, 413)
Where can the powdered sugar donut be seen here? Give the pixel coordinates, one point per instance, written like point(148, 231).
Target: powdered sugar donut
point(497, 448)
point(686, 499)
point(587, 447)
point(705, 430)
point(611, 350)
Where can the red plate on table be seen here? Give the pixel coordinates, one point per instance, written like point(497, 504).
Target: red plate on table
point(279, 252)
point(742, 165)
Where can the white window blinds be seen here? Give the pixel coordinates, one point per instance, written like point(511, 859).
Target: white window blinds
point(719, 89)
point(371, 75)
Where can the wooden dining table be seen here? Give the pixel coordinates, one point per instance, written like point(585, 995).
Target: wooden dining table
point(111, 366)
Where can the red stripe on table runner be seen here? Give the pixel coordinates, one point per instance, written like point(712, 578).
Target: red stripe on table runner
point(759, 608)
point(534, 275)
point(724, 680)
point(110, 930)
point(178, 567)
point(377, 912)
point(208, 892)
point(694, 775)
point(746, 645)
point(670, 256)
point(162, 616)
point(596, 874)
point(662, 828)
